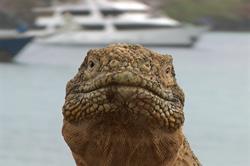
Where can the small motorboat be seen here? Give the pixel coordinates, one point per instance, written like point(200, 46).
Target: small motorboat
point(11, 43)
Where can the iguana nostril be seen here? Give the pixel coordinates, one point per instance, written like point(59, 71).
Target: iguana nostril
point(123, 77)
point(145, 66)
point(114, 63)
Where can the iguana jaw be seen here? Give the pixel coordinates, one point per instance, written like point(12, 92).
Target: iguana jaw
point(124, 78)
point(127, 94)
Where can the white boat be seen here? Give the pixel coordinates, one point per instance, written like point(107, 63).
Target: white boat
point(96, 22)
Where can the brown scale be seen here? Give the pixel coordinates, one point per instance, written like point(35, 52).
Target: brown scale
point(125, 108)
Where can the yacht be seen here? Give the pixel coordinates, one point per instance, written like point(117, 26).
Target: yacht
point(100, 22)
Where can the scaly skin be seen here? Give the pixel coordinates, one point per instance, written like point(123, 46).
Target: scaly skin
point(124, 108)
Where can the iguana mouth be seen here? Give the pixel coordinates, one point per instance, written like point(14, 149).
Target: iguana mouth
point(128, 79)
point(124, 92)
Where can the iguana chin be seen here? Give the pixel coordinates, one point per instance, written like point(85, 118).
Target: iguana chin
point(124, 108)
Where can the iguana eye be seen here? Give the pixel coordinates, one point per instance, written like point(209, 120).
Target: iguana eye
point(91, 64)
point(168, 69)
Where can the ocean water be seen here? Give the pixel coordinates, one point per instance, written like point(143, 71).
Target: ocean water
point(215, 76)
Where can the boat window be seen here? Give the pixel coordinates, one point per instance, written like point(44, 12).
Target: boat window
point(39, 27)
point(140, 26)
point(58, 26)
point(107, 12)
point(115, 12)
point(78, 12)
point(44, 13)
point(93, 27)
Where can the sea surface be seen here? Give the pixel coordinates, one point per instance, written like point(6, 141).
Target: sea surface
point(215, 75)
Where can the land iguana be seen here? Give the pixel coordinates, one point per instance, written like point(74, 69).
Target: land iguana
point(124, 108)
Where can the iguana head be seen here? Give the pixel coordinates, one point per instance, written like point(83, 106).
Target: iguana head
point(125, 85)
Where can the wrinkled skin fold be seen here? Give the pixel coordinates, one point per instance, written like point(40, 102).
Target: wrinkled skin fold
point(125, 108)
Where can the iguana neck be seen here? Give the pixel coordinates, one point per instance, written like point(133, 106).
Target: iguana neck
point(186, 156)
point(118, 147)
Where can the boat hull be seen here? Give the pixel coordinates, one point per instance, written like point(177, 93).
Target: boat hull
point(182, 36)
point(11, 46)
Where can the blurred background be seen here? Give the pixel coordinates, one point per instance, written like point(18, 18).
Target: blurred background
point(42, 44)
point(221, 14)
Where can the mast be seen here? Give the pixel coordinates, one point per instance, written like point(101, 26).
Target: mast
point(93, 4)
